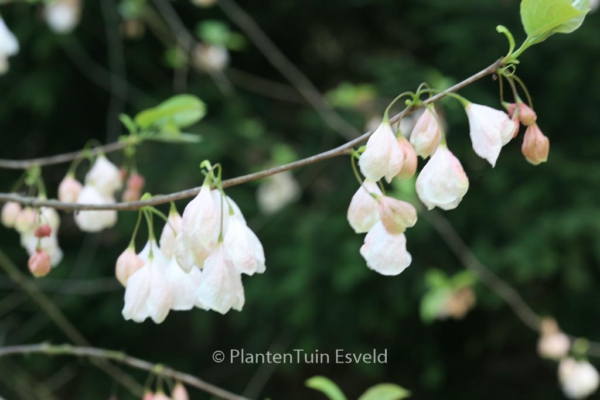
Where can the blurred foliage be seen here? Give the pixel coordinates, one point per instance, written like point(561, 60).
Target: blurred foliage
point(537, 227)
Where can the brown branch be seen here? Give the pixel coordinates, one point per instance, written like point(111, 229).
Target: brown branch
point(287, 69)
point(58, 159)
point(338, 151)
point(123, 359)
point(506, 292)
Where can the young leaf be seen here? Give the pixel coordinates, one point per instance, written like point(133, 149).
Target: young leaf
point(582, 5)
point(385, 391)
point(183, 110)
point(431, 303)
point(541, 18)
point(325, 386)
point(128, 122)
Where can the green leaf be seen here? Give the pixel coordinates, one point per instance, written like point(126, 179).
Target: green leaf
point(182, 110)
point(431, 302)
point(436, 279)
point(179, 138)
point(214, 32)
point(128, 122)
point(385, 391)
point(582, 5)
point(325, 386)
point(463, 279)
point(542, 18)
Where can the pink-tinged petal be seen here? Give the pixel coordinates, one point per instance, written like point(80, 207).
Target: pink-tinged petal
point(10, 213)
point(578, 379)
point(409, 167)
point(128, 263)
point(363, 212)
point(426, 134)
point(536, 145)
point(385, 253)
point(383, 156)
point(169, 233)
point(396, 215)
point(442, 182)
point(69, 189)
point(181, 286)
point(179, 392)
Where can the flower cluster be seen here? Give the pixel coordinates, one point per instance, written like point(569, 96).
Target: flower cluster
point(578, 378)
point(198, 263)
point(38, 229)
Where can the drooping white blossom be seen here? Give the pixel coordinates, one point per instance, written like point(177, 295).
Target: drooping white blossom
point(554, 346)
point(277, 191)
point(62, 16)
point(383, 156)
point(48, 244)
point(490, 129)
point(442, 182)
point(243, 248)
point(578, 379)
point(148, 293)
point(95, 220)
point(183, 290)
point(10, 213)
point(69, 189)
point(170, 232)
point(363, 212)
point(25, 221)
point(9, 46)
point(426, 134)
point(221, 287)
point(384, 252)
point(128, 263)
point(104, 176)
point(409, 166)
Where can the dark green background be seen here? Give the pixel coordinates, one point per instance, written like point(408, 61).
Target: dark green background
point(537, 227)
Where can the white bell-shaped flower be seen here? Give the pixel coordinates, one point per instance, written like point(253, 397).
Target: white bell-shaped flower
point(49, 244)
point(69, 189)
point(277, 191)
point(363, 212)
point(10, 213)
point(183, 290)
point(104, 176)
point(170, 232)
point(62, 16)
point(554, 346)
point(221, 285)
point(200, 229)
point(25, 221)
point(9, 46)
point(384, 252)
point(95, 220)
point(578, 379)
point(148, 293)
point(48, 216)
point(383, 156)
point(210, 58)
point(426, 134)
point(128, 264)
point(442, 182)
point(490, 129)
point(243, 248)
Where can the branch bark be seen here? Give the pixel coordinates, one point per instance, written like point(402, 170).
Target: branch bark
point(136, 205)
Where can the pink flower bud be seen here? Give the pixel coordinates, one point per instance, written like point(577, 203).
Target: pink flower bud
point(409, 167)
point(25, 220)
point(526, 115)
point(536, 146)
point(131, 195)
point(510, 108)
point(426, 134)
point(127, 264)
point(123, 175)
point(39, 263)
point(69, 189)
point(396, 215)
point(179, 392)
point(10, 213)
point(136, 182)
point(43, 231)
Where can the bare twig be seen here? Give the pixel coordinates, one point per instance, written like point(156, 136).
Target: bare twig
point(338, 151)
point(62, 322)
point(122, 358)
point(288, 69)
point(509, 294)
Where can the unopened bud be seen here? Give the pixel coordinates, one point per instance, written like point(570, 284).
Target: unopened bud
point(10, 213)
point(526, 115)
point(136, 182)
point(43, 231)
point(69, 189)
point(536, 146)
point(39, 263)
point(409, 167)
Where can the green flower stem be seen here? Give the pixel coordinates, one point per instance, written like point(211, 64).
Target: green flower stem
point(135, 231)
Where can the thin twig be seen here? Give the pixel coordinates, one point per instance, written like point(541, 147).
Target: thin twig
point(338, 151)
point(509, 294)
point(288, 69)
point(122, 358)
